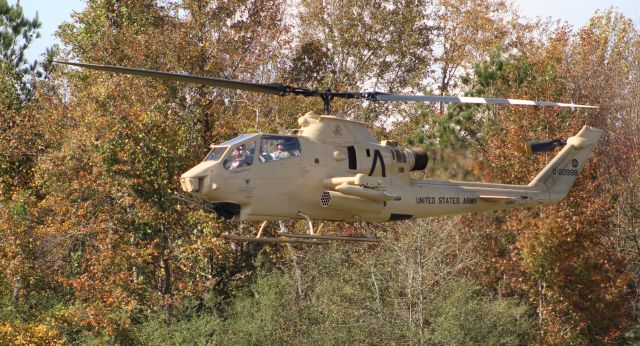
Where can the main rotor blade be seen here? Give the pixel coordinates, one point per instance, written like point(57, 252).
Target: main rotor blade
point(472, 100)
point(282, 89)
point(275, 88)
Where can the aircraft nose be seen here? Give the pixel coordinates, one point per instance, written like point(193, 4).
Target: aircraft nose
point(198, 180)
point(192, 184)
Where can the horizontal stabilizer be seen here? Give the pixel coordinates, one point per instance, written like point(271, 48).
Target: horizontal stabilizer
point(496, 198)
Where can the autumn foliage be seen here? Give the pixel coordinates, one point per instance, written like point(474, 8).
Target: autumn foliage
point(96, 249)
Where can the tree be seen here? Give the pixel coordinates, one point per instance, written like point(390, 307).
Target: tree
point(16, 34)
point(384, 46)
point(16, 158)
point(561, 257)
point(465, 36)
point(125, 247)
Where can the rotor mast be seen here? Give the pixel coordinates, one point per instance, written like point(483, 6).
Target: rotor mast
point(326, 100)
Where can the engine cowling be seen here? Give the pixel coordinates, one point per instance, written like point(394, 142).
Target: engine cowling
point(414, 159)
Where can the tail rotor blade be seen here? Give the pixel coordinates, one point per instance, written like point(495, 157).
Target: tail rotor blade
point(544, 146)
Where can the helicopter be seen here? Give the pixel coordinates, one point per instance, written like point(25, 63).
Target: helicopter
point(334, 169)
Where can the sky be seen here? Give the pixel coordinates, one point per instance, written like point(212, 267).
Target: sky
point(53, 12)
point(576, 12)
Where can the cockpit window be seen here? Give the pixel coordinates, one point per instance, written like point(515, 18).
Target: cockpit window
point(215, 154)
point(241, 156)
point(278, 147)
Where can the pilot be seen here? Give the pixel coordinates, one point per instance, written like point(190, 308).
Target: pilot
point(239, 158)
point(280, 153)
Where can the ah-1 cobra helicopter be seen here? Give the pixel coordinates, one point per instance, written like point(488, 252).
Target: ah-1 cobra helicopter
point(333, 169)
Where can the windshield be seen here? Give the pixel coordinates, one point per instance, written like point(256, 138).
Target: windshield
point(239, 139)
point(215, 154)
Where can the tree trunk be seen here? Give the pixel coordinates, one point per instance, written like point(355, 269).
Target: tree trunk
point(167, 291)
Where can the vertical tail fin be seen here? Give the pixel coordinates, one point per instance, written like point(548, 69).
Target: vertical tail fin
point(560, 174)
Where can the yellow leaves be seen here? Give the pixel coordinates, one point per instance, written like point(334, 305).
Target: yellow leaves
point(29, 334)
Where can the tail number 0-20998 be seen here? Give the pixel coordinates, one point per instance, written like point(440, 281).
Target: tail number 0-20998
point(565, 171)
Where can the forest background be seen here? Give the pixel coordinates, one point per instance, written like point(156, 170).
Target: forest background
point(95, 249)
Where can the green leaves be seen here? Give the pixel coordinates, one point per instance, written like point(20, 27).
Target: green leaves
point(16, 34)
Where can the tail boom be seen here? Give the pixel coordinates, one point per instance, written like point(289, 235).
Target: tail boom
point(426, 198)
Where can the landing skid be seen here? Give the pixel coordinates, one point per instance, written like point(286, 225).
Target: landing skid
point(311, 238)
point(293, 238)
point(330, 237)
point(274, 240)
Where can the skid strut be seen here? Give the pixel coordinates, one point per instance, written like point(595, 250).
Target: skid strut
point(309, 222)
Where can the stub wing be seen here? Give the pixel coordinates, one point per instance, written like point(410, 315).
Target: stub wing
point(366, 193)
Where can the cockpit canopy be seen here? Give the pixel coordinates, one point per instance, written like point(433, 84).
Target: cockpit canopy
point(243, 150)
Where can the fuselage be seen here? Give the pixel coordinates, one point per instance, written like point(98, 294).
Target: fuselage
point(334, 169)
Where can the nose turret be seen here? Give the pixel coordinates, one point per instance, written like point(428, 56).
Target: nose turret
point(191, 184)
point(197, 180)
